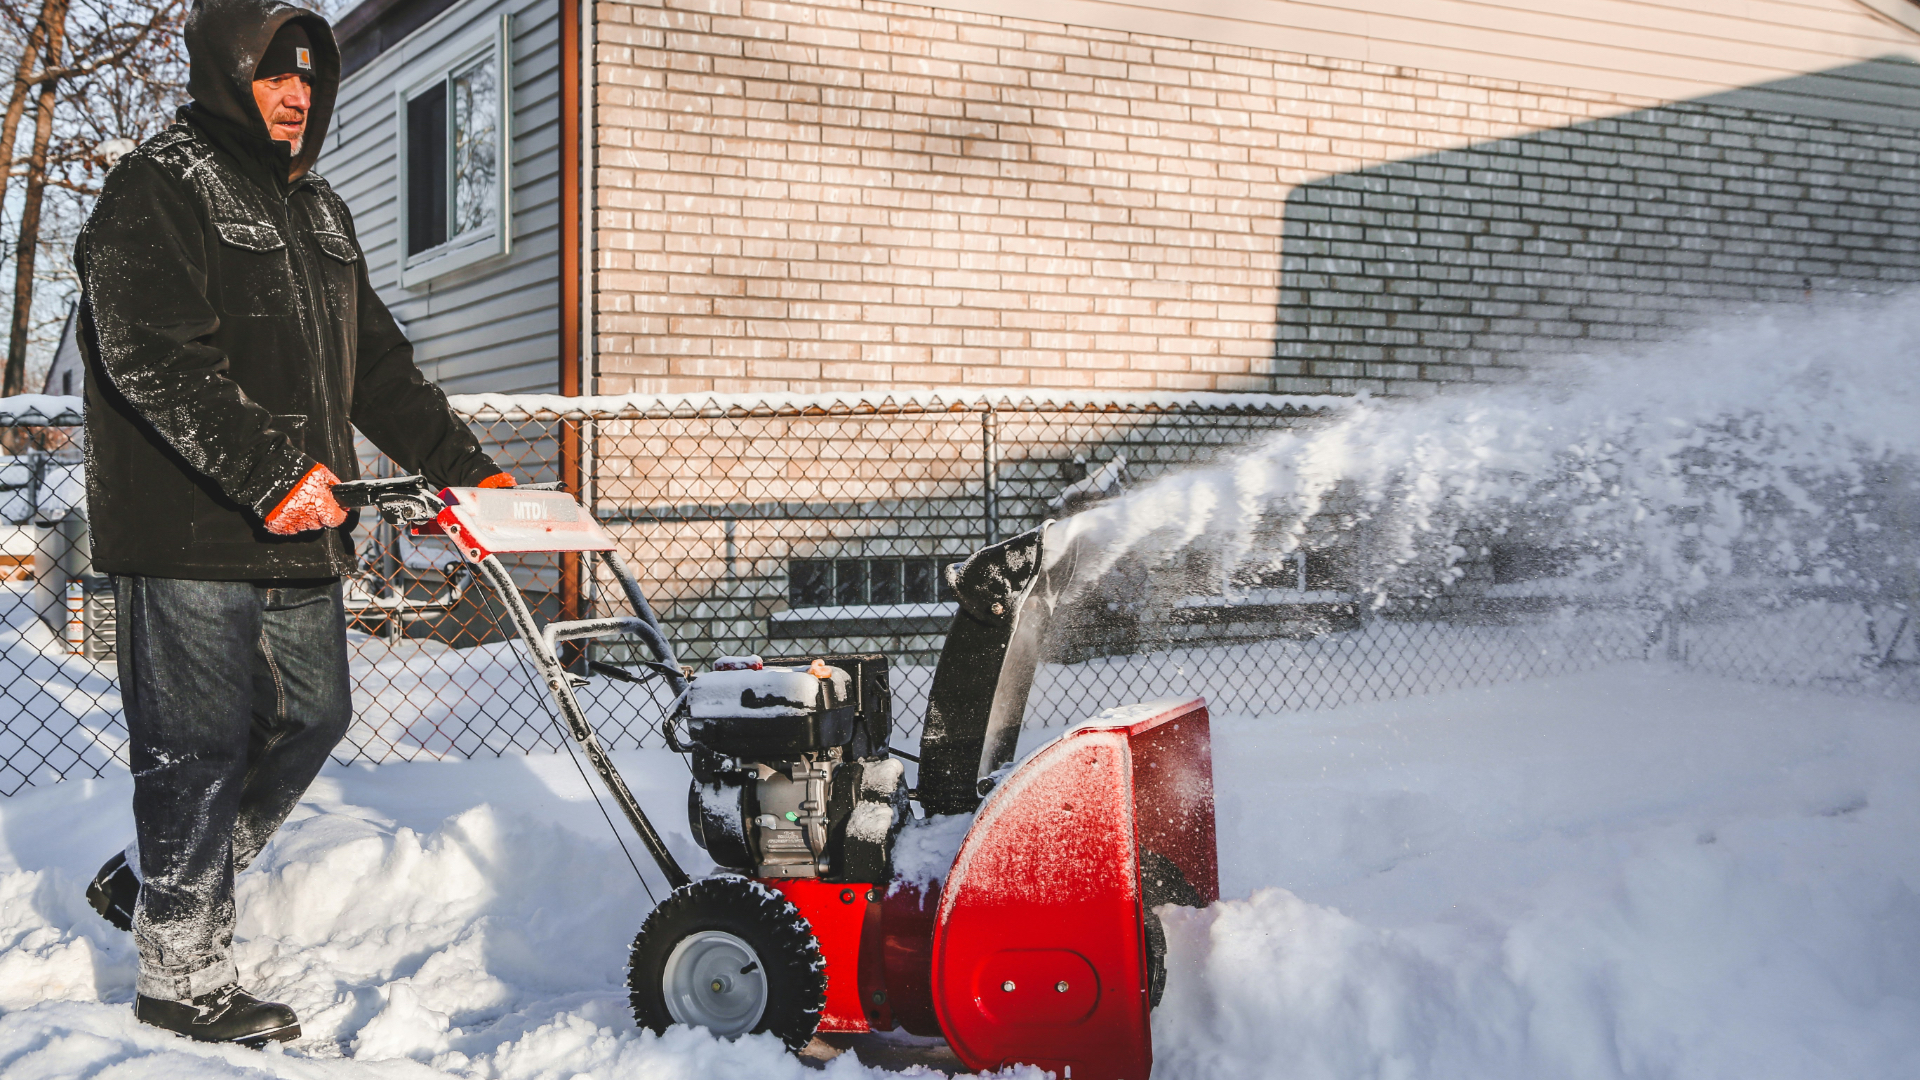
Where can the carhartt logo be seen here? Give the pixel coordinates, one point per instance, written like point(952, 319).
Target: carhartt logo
point(303, 58)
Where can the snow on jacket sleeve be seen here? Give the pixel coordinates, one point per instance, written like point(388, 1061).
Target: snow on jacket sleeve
point(143, 259)
point(406, 416)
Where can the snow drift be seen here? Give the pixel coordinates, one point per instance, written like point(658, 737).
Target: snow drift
point(1628, 873)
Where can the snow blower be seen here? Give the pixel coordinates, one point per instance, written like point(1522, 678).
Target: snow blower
point(1040, 945)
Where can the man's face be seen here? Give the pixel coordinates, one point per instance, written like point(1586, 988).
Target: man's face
point(284, 101)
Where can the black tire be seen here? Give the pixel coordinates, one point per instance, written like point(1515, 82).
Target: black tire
point(724, 915)
point(1156, 959)
point(1161, 882)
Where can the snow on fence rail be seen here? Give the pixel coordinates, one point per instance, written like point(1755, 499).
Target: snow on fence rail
point(805, 524)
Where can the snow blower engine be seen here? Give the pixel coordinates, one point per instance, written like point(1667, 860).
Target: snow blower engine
point(1013, 914)
point(792, 775)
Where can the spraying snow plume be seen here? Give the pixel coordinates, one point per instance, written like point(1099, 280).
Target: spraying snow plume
point(1780, 445)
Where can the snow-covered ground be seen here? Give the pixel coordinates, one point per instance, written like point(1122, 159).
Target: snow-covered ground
point(1630, 872)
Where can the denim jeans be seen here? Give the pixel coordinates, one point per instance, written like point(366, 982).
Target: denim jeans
point(235, 694)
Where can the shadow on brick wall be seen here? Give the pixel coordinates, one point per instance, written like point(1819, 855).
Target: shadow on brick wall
point(1464, 264)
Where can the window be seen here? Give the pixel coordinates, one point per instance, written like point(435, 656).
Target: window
point(813, 583)
point(427, 170)
point(1517, 562)
point(454, 138)
point(1301, 571)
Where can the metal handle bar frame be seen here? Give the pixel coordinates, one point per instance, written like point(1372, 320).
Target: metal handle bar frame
point(546, 660)
point(457, 575)
point(541, 644)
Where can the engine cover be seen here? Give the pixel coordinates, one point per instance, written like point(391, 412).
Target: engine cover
point(772, 712)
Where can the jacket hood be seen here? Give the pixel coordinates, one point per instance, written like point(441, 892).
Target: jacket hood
point(225, 40)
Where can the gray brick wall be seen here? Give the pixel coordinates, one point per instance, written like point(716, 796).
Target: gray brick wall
point(1466, 264)
point(856, 195)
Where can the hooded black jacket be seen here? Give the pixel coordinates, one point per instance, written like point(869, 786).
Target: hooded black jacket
point(231, 336)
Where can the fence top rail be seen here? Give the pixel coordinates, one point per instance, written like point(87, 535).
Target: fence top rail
point(524, 407)
point(55, 410)
point(42, 410)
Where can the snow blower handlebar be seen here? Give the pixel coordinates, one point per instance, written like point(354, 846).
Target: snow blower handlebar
point(483, 523)
point(403, 500)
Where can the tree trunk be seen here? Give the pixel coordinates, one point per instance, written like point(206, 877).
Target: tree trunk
point(54, 19)
point(17, 97)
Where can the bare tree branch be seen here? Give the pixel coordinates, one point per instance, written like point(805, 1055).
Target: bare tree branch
point(74, 186)
point(120, 75)
point(55, 72)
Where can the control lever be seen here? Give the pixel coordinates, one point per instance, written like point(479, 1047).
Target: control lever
point(402, 500)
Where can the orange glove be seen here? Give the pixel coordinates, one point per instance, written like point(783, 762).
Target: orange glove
point(309, 505)
point(497, 480)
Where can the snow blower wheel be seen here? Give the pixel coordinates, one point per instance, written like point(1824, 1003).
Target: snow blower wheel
point(1161, 882)
point(732, 956)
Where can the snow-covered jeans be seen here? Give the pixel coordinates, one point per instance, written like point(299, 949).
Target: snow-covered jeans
point(235, 694)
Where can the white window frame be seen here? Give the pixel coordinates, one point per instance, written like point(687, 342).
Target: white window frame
point(489, 37)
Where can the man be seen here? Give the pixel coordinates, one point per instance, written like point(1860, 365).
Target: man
point(231, 338)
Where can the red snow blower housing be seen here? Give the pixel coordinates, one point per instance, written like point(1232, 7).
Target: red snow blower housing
point(1038, 945)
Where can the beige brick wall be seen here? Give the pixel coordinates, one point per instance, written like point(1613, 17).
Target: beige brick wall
point(852, 194)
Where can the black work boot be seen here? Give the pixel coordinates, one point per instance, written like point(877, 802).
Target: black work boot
point(228, 1014)
point(114, 891)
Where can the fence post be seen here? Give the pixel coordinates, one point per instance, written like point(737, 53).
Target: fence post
point(990, 472)
point(588, 463)
point(572, 478)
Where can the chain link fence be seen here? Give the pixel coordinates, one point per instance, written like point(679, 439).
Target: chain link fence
point(820, 525)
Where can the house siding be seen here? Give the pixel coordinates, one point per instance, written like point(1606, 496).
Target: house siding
point(1667, 50)
point(857, 195)
point(493, 327)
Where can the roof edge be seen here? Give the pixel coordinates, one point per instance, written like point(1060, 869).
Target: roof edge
point(1905, 13)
